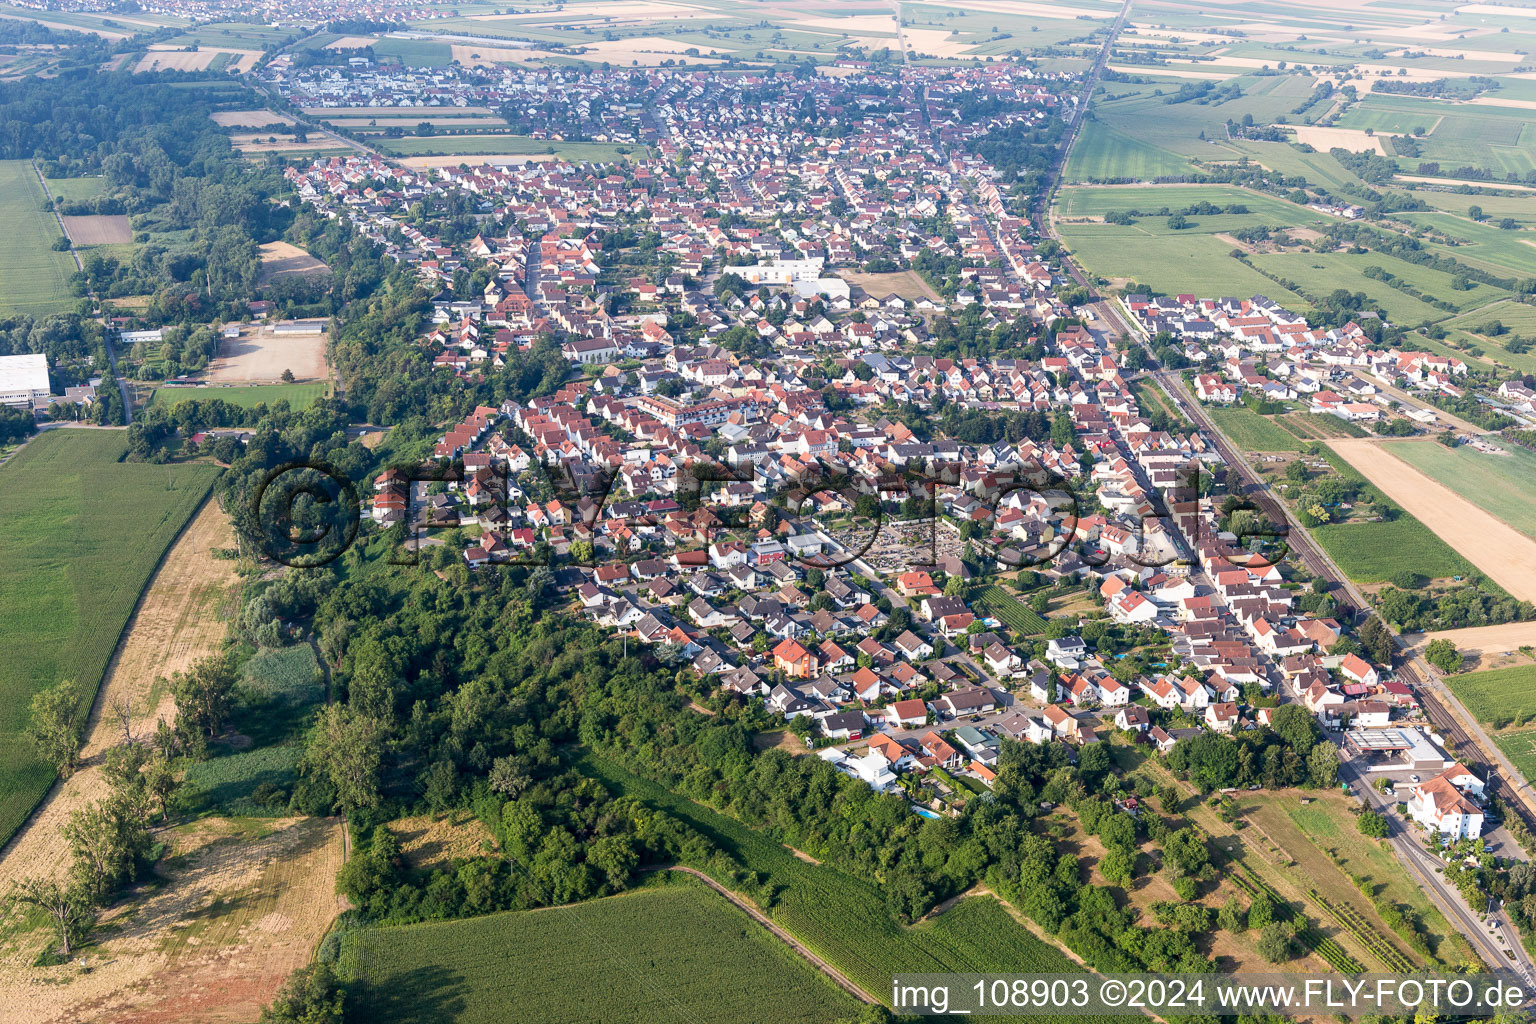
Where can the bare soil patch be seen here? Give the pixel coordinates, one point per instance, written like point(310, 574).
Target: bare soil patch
point(1488, 643)
point(1506, 555)
point(99, 229)
point(283, 259)
point(906, 283)
point(258, 355)
point(1348, 138)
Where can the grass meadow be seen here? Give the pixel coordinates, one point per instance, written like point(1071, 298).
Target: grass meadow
point(669, 952)
point(1102, 153)
point(81, 533)
point(298, 396)
point(34, 278)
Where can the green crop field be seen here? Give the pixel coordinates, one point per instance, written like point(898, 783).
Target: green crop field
point(678, 952)
point(287, 674)
point(845, 920)
point(1020, 618)
point(81, 533)
point(79, 188)
point(1498, 697)
point(1102, 153)
point(1375, 552)
point(298, 396)
point(1520, 747)
point(33, 277)
point(1504, 485)
point(1192, 258)
point(415, 52)
point(1252, 431)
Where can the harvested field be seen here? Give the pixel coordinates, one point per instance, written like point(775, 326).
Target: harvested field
point(259, 355)
point(351, 43)
point(906, 283)
point(1352, 139)
point(249, 118)
point(1505, 555)
point(283, 259)
point(1484, 642)
point(102, 229)
point(428, 843)
point(241, 904)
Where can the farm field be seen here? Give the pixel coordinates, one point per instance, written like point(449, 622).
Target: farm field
point(1253, 431)
point(1498, 698)
point(674, 952)
point(1504, 555)
point(1504, 485)
point(298, 396)
point(284, 259)
point(844, 920)
point(105, 229)
point(82, 532)
point(1375, 552)
point(1171, 260)
point(34, 278)
point(1321, 273)
point(1102, 153)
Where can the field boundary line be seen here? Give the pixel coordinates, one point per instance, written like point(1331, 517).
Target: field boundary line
point(94, 714)
point(795, 944)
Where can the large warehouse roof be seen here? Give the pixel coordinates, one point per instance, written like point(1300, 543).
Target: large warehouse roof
point(24, 373)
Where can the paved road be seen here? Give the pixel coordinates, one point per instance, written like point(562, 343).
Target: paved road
point(1492, 939)
point(1435, 700)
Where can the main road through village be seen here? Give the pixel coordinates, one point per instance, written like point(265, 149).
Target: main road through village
point(1472, 745)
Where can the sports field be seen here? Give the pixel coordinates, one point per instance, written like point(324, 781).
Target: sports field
point(81, 532)
point(679, 952)
point(33, 276)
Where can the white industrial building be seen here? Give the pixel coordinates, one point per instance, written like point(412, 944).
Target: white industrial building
point(23, 379)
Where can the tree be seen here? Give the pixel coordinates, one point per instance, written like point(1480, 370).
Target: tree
point(1442, 654)
point(1232, 917)
point(69, 907)
point(343, 749)
point(204, 698)
point(286, 376)
point(1323, 765)
point(1295, 725)
point(1277, 942)
point(106, 838)
point(1261, 913)
point(311, 995)
point(1372, 824)
point(54, 727)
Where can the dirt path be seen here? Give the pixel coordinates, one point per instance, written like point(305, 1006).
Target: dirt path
point(1506, 555)
point(757, 915)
